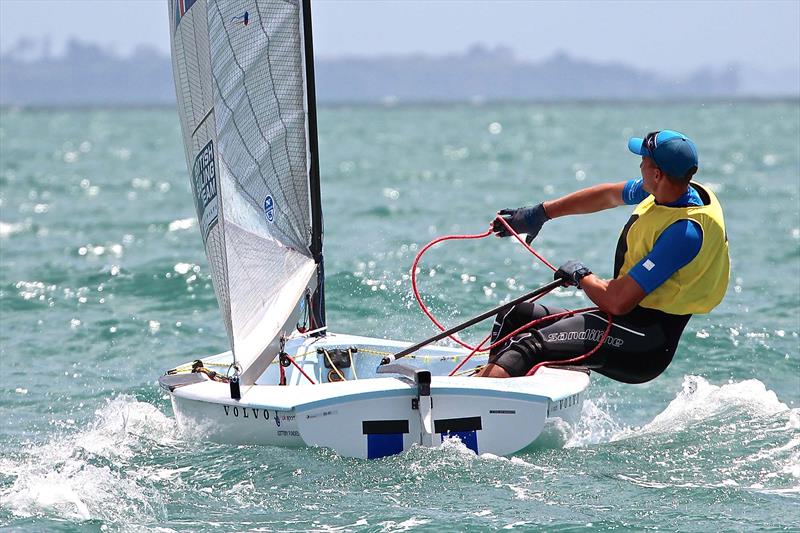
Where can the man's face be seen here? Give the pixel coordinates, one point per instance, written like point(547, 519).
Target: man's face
point(649, 170)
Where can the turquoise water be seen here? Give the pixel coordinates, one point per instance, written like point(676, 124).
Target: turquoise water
point(104, 285)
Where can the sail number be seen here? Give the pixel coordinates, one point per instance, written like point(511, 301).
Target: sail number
point(204, 186)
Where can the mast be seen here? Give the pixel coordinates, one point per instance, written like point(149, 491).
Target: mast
point(318, 298)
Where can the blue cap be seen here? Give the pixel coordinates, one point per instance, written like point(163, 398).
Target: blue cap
point(672, 152)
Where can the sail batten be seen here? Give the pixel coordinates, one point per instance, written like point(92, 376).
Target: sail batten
point(241, 76)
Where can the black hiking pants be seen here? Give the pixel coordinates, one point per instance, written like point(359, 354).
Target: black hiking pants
point(638, 348)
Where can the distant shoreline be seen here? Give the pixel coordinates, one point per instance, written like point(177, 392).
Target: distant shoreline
point(435, 103)
point(89, 75)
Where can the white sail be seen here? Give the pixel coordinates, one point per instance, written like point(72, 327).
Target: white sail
point(240, 79)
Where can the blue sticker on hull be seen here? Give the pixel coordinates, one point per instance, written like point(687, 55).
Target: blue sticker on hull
point(384, 437)
point(384, 445)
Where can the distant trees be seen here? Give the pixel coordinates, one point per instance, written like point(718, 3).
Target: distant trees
point(89, 74)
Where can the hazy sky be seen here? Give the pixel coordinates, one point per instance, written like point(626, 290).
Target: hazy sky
point(666, 35)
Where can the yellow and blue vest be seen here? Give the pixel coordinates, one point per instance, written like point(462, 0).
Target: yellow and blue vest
point(700, 285)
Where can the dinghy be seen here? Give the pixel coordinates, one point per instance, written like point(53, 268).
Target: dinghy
point(244, 77)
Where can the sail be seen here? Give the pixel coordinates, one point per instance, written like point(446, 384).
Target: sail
point(240, 77)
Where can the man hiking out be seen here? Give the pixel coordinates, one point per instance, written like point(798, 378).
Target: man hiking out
point(671, 262)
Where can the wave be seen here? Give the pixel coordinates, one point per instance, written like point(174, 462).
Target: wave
point(734, 435)
point(85, 476)
point(699, 401)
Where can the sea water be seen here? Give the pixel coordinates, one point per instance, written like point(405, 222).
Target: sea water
point(104, 285)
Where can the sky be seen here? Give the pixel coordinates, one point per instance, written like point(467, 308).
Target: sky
point(677, 36)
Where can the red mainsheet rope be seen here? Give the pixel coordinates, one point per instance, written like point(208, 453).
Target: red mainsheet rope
point(298, 367)
point(479, 347)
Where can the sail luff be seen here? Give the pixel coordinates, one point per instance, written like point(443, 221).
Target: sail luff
point(313, 144)
point(317, 228)
point(191, 66)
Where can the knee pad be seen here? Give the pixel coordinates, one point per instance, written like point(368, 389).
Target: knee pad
point(519, 354)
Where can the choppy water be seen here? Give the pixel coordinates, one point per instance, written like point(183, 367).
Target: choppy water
point(103, 285)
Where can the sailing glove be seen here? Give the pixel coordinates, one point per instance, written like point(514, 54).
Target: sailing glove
point(572, 272)
point(522, 220)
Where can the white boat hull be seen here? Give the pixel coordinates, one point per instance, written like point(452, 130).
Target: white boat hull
point(380, 415)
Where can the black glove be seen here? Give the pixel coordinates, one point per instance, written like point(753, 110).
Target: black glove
point(523, 220)
point(572, 272)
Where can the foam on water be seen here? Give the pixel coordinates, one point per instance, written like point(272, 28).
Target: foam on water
point(8, 229)
point(82, 476)
point(734, 435)
point(406, 525)
point(700, 400)
point(596, 424)
point(181, 224)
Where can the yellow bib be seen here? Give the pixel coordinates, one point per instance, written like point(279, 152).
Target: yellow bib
point(701, 284)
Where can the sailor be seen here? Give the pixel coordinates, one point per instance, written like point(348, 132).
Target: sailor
point(671, 262)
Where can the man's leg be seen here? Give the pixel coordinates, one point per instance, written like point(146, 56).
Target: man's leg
point(632, 354)
point(508, 321)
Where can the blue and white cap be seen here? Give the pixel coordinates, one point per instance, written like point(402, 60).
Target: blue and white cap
point(672, 152)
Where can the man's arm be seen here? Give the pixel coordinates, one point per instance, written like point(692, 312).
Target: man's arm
point(617, 296)
point(529, 220)
point(588, 200)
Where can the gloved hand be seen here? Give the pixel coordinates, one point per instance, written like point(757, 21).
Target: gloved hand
point(572, 272)
point(523, 220)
